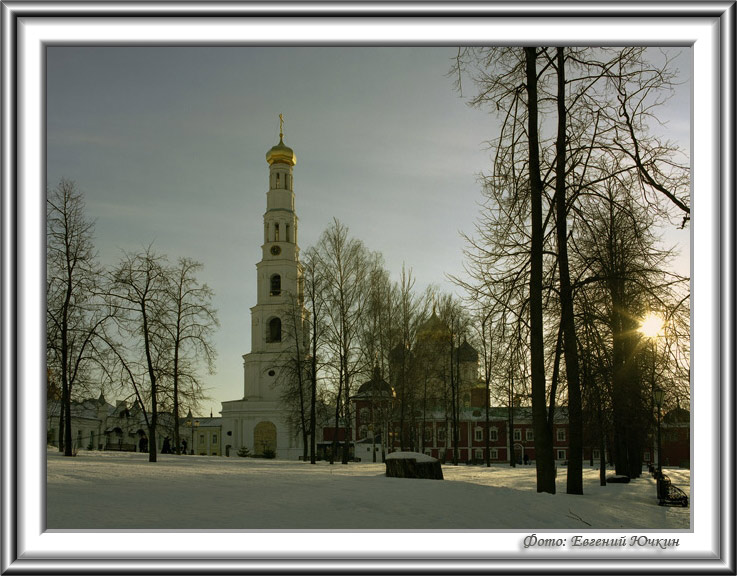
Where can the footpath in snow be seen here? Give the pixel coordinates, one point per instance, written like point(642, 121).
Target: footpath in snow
point(107, 490)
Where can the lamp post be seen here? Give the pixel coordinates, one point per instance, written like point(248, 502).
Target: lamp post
point(660, 486)
point(658, 395)
point(192, 425)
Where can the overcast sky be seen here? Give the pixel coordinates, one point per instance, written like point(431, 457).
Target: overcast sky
point(168, 145)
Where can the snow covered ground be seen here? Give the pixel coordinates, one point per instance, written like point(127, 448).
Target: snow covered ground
point(107, 490)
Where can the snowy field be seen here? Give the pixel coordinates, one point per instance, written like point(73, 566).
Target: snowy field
point(106, 490)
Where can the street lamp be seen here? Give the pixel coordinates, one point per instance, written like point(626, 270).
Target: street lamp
point(658, 397)
point(192, 425)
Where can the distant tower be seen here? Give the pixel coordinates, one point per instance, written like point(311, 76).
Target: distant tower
point(258, 421)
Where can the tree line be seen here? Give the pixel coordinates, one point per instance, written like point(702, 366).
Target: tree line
point(565, 262)
point(351, 323)
point(566, 258)
point(142, 327)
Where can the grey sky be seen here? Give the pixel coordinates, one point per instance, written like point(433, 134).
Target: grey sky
point(168, 146)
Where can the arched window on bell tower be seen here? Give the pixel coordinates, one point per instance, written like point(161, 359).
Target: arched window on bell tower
point(275, 285)
point(275, 330)
point(276, 232)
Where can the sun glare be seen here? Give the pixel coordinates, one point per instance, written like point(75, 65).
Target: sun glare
point(652, 326)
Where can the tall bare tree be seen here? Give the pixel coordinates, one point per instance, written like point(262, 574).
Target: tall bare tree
point(405, 325)
point(140, 295)
point(75, 314)
point(344, 264)
point(189, 325)
point(313, 289)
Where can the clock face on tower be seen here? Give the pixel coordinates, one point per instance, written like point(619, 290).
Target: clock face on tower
point(275, 250)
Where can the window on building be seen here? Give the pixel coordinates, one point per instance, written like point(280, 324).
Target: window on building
point(478, 434)
point(277, 180)
point(441, 434)
point(428, 435)
point(478, 454)
point(494, 454)
point(493, 434)
point(275, 285)
point(561, 435)
point(646, 456)
point(518, 435)
point(529, 435)
point(561, 454)
point(276, 232)
point(214, 438)
point(202, 439)
point(286, 235)
point(275, 330)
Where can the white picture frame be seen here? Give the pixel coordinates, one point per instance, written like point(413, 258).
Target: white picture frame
point(27, 28)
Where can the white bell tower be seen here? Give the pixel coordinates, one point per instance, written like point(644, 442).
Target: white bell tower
point(259, 421)
point(279, 278)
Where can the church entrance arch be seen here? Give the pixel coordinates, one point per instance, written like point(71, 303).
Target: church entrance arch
point(264, 437)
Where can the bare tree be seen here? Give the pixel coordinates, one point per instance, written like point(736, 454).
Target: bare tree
point(623, 275)
point(140, 295)
point(404, 373)
point(75, 314)
point(313, 288)
point(294, 374)
point(189, 326)
point(344, 267)
point(483, 323)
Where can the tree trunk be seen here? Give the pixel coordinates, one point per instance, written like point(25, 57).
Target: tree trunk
point(347, 409)
point(487, 377)
point(177, 448)
point(544, 459)
point(510, 415)
point(570, 347)
point(313, 389)
point(68, 447)
point(62, 419)
point(453, 419)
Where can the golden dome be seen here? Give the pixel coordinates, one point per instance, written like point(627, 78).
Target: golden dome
point(281, 154)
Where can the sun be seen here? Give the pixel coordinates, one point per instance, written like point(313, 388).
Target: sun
point(652, 325)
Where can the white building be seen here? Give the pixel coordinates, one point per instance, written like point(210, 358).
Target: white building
point(98, 425)
point(259, 420)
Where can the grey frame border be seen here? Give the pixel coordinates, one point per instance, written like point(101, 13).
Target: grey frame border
point(11, 21)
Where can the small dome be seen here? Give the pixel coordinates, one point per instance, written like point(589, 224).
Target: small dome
point(433, 328)
point(282, 154)
point(376, 387)
point(467, 353)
